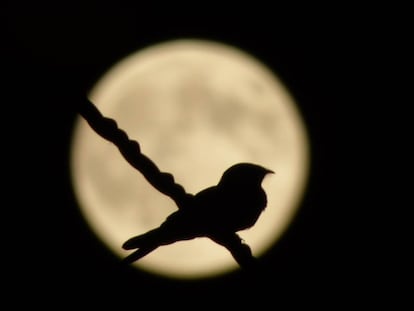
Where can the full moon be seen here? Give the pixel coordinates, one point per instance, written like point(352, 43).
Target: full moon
point(196, 107)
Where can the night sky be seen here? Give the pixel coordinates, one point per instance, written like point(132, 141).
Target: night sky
point(54, 54)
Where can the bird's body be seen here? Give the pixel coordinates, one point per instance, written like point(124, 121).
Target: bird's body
point(217, 212)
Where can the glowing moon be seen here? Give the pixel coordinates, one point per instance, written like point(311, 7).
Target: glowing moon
point(196, 107)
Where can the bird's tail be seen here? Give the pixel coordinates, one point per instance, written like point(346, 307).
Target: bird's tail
point(139, 253)
point(144, 243)
point(149, 239)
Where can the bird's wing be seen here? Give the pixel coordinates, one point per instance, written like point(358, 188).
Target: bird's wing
point(130, 150)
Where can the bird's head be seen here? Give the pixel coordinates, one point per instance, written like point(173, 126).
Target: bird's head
point(244, 174)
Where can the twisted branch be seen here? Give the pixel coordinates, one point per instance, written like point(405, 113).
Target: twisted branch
point(131, 151)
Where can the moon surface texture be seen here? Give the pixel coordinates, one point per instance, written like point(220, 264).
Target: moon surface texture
point(196, 107)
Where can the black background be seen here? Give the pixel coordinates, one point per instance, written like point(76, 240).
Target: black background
point(53, 54)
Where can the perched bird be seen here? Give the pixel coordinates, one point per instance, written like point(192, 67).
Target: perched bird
point(217, 212)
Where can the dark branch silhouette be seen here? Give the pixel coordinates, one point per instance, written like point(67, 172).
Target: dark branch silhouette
point(217, 212)
point(130, 149)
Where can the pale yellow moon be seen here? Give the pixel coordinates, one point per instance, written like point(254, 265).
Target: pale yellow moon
point(196, 107)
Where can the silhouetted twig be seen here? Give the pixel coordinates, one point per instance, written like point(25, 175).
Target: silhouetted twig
point(130, 149)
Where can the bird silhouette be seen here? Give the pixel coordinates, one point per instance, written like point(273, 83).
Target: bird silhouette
point(218, 212)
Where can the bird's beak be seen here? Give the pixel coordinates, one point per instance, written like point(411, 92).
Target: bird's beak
point(269, 171)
